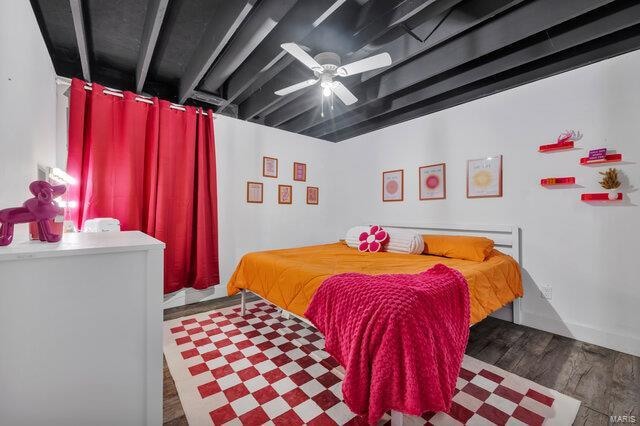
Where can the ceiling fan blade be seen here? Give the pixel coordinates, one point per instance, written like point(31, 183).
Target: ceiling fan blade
point(366, 64)
point(296, 87)
point(299, 53)
point(343, 93)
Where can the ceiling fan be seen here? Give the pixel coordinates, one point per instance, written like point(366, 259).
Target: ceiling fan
point(326, 67)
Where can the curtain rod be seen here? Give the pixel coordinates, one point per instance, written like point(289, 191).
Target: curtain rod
point(118, 93)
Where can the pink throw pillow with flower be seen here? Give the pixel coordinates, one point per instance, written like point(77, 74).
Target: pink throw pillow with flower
point(373, 240)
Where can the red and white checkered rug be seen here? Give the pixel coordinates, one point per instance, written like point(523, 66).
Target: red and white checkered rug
point(264, 369)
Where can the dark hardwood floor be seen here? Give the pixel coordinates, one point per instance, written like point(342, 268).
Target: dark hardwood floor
point(607, 382)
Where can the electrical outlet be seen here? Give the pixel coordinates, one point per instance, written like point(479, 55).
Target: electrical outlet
point(546, 292)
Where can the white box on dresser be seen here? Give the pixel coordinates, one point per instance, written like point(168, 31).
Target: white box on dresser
point(81, 331)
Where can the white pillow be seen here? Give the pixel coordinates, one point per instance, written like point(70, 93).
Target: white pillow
point(400, 240)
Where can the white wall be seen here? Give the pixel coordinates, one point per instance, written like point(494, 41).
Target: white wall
point(588, 253)
point(245, 227)
point(27, 104)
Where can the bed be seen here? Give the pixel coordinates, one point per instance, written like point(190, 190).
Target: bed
point(289, 278)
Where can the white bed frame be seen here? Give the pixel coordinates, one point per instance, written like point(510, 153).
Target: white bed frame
point(505, 237)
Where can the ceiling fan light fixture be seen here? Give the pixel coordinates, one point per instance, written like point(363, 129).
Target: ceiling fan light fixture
point(326, 66)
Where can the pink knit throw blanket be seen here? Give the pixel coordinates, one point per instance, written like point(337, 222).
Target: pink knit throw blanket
point(400, 338)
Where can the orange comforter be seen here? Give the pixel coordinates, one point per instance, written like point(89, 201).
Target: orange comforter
point(289, 278)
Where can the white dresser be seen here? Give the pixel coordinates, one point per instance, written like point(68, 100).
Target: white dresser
point(81, 331)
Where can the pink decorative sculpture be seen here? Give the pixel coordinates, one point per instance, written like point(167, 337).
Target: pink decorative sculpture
point(569, 135)
point(41, 209)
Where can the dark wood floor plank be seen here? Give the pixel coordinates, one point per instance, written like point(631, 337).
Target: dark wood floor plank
point(195, 308)
point(527, 349)
point(496, 343)
point(588, 375)
point(181, 421)
point(588, 417)
point(624, 392)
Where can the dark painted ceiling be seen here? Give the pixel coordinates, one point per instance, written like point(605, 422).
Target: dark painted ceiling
point(226, 54)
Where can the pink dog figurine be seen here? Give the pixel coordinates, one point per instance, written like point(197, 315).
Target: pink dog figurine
point(41, 209)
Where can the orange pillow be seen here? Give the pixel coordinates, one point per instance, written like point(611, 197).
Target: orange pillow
point(458, 247)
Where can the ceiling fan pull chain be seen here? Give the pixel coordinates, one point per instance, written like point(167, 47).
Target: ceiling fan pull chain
point(321, 104)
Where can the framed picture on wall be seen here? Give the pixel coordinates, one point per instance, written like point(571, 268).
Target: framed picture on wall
point(254, 192)
point(300, 172)
point(312, 195)
point(285, 194)
point(393, 185)
point(484, 177)
point(433, 182)
point(270, 167)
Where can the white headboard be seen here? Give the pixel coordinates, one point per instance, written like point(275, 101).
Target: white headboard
point(505, 237)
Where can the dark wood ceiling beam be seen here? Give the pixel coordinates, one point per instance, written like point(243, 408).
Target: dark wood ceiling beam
point(271, 72)
point(378, 24)
point(401, 49)
point(81, 37)
point(516, 25)
point(226, 20)
point(513, 26)
point(302, 18)
point(619, 44)
point(256, 105)
point(372, 29)
point(260, 23)
point(291, 109)
point(555, 42)
point(231, 110)
point(153, 22)
point(458, 21)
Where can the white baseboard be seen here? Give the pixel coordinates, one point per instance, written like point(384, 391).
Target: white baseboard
point(187, 296)
point(608, 339)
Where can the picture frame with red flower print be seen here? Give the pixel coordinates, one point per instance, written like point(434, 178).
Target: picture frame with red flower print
point(254, 192)
point(300, 172)
point(313, 193)
point(285, 194)
point(393, 185)
point(270, 167)
point(432, 181)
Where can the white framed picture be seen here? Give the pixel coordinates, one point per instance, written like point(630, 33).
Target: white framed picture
point(393, 185)
point(254, 192)
point(484, 177)
point(433, 182)
point(312, 195)
point(270, 167)
point(285, 194)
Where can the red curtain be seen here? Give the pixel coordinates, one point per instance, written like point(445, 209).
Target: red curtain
point(154, 169)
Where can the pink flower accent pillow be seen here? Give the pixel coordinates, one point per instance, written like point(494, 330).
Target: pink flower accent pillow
point(373, 240)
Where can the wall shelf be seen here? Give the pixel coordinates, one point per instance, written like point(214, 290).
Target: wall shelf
point(559, 146)
point(610, 158)
point(569, 180)
point(601, 196)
